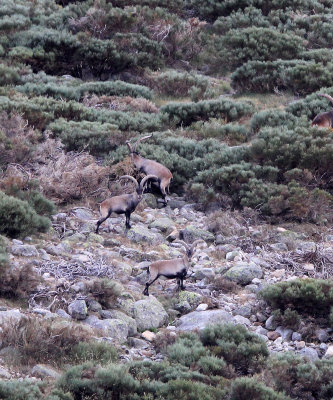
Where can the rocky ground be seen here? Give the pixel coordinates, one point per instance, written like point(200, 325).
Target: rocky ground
point(244, 251)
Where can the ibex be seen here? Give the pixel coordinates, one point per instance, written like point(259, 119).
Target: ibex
point(174, 268)
point(151, 167)
point(125, 203)
point(325, 119)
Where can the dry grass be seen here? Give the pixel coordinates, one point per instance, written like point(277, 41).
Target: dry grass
point(118, 103)
point(69, 176)
point(39, 340)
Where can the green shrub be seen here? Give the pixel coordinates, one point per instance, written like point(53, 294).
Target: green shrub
point(250, 389)
point(308, 296)
point(3, 255)
point(260, 44)
point(19, 219)
point(9, 75)
point(185, 113)
point(237, 346)
point(187, 350)
point(97, 352)
point(232, 133)
point(20, 390)
point(289, 319)
point(273, 118)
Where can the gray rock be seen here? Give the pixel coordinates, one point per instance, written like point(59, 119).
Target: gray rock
point(243, 273)
point(150, 200)
point(137, 343)
point(4, 374)
point(77, 237)
point(203, 273)
point(200, 319)
point(10, 316)
point(83, 214)
point(306, 246)
point(279, 247)
point(309, 353)
point(183, 307)
point(139, 234)
point(176, 203)
point(296, 337)
point(231, 255)
point(78, 309)
point(285, 333)
point(242, 320)
point(322, 335)
point(116, 314)
point(113, 328)
point(63, 314)
point(261, 331)
point(25, 250)
point(60, 217)
point(149, 313)
point(94, 305)
point(244, 311)
point(191, 233)
point(165, 225)
point(45, 371)
point(271, 323)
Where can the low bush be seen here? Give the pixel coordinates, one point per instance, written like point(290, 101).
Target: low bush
point(19, 219)
point(306, 296)
point(185, 113)
point(231, 133)
point(105, 291)
point(20, 390)
point(250, 389)
point(98, 352)
point(245, 351)
point(9, 75)
point(187, 350)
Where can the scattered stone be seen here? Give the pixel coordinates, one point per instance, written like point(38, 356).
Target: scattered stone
point(113, 328)
point(83, 214)
point(261, 331)
point(63, 314)
point(200, 319)
point(93, 237)
point(329, 352)
point(309, 267)
point(148, 335)
point(203, 273)
point(244, 311)
point(285, 333)
point(4, 374)
point(137, 343)
point(279, 247)
point(139, 234)
point(278, 273)
point(191, 233)
point(306, 247)
point(243, 273)
point(94, 305)
point(77, 237)
point(322, 335)
point(309, 353)
point(165, 225)
point(116, 314)
point(273, 335)
point(202, 307)
point(25, 250)
point(149, 314)
point(10, 315)
point(150, 200)
point(45, 371)
point(296, 337)
point(271, 323)
point(78, 309)
point(242, 320)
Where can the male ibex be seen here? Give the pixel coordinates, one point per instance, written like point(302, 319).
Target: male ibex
point(125, 203)
point(151, 167)
point(325, 119)
point(174, 268)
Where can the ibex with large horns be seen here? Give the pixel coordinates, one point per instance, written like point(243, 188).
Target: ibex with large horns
point(174, 268)
point(151, 167)
point(125, 203)
point(325, 119)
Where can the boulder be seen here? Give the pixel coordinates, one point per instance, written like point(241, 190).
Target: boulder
point(191, 233)
point(45, 371)
point(271, 323)
point(141, 234)
point(286, 333)
point(25, 250)
point(78, 309)
point(116, 314)
point(149, 313)
point(243, 273)
point(329, 352)
point(309, 353)
point(165, 225)
point(113, 328)
point(83, 214)
point(201, 319)
point(150, 200)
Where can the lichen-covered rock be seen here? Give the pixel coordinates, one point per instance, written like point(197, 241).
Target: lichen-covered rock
point(116, 314)
point(83, 214)
point(192, 233)
point(24, 250)
point(78, 309)
point(93, 237)
point(149, 313)
point(149, 200)
point(113, 328)
point(192, 298)
point(141, 234)
point(9, 316)
point(45, 371)
point(76, 237)
point(200, 319)
point(243, 273)
point(163, 224)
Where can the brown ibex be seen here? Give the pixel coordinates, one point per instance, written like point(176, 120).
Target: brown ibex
point(125, 203)
point(151, 167)
point(325, 119)
point(174, 268)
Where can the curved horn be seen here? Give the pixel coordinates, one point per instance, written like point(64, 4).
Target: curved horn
point(131, 178)
point(330, 98)
point(128, 142)
point(187, 247)
point(140, 139)
point(146, 178)
point(196, 242)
